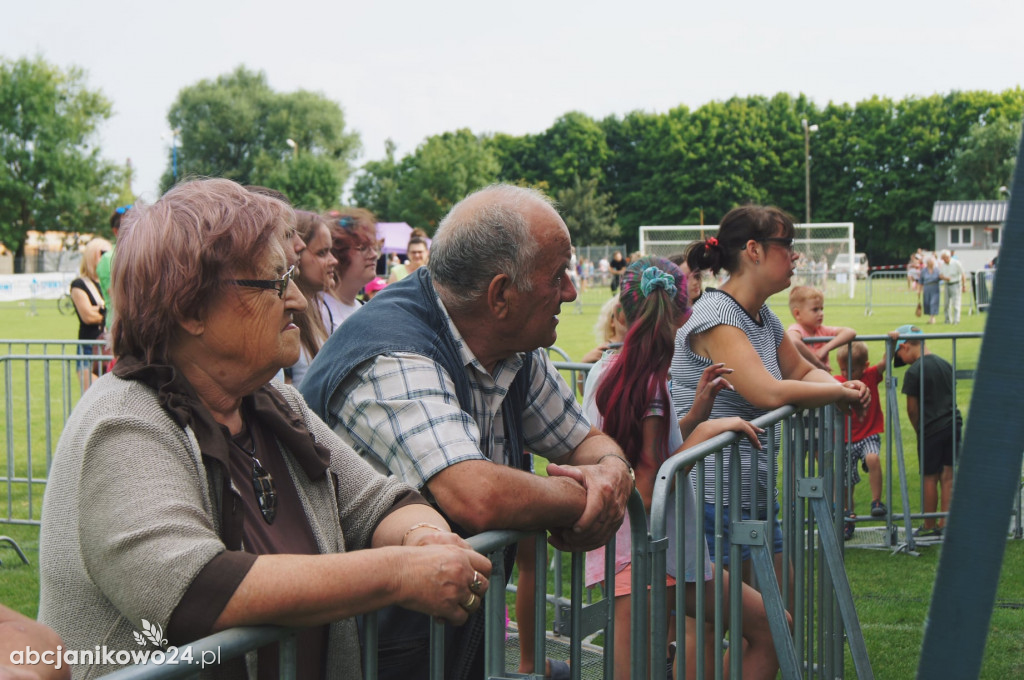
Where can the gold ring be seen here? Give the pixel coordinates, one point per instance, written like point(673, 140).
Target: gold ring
point(470, 602)
point(475, 585)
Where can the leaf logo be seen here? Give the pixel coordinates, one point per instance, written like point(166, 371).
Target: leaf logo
point(141, 641)
point(152, 632)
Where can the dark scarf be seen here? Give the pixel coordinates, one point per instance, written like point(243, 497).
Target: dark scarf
point(265, 406)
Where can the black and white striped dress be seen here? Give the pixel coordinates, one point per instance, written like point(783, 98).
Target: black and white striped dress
point(715, 308)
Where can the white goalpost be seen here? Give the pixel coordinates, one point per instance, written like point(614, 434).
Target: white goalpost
point(821, 246)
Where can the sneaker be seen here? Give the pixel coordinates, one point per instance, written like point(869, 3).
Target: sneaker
point(878, 509)
point(848, 526)
point(922, 532)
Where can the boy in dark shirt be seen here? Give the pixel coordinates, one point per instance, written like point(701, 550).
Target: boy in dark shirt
point(941, 418)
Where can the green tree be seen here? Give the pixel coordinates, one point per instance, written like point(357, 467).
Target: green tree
point(589, 215)
point(376, 188)
point(984, 160)
point(53, 176)
point(427, 183)
point(237, 127)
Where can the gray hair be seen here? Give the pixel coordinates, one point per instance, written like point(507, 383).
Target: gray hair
point(484, 235)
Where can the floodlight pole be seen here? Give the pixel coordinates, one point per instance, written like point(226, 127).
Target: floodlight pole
point(808, 129)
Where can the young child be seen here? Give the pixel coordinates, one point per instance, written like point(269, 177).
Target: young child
point(864, 431)
point(942, 419)
point(808, 308)
point(627, 395)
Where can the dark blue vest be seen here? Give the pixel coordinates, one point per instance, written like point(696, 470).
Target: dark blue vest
point(405, 317)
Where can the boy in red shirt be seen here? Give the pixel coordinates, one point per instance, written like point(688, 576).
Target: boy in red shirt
point(864, 432)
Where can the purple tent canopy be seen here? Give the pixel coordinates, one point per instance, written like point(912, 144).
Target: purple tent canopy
point(395, 235)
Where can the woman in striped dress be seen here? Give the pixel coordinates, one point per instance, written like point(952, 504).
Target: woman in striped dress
point(732, 324)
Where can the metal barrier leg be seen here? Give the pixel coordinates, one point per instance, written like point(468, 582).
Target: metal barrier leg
point(841, 587)
point(17, 548)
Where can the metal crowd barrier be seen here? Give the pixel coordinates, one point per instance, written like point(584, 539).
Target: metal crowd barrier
point(237, 642)
point(38, 398)
point(819, 601)
point(889, 288)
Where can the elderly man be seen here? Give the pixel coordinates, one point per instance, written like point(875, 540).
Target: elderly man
point(443, 374)
point(952, 273)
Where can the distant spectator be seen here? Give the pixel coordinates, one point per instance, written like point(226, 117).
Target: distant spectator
point(807, 305)
point(91, 308)
point(103, 266)
point(418, 253)
point(374, 287)
point(929, 280)
point(955, 278)
point(617, 267)
point(354, 246)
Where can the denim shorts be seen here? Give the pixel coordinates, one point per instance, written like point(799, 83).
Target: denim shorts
point(709, 532)
point(85, 364)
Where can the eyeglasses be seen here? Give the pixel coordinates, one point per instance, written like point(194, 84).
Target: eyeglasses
point(280, 285)
point(786, 243)
point(266, 492)
point(120, 210)
point(366, 249)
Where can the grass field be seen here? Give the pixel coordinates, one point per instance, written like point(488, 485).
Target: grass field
point(892, 592)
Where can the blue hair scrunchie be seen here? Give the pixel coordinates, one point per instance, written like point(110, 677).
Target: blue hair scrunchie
point(654, 278)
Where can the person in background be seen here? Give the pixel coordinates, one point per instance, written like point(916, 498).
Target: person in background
point(929, 279)
point(734, 325)
point(617, 267)
point(942, 420)
point(953, 275)
point(190, 492)
point(863, 432)
point(418, 253)
point(103, 266)
point(627, 396)
point(807, 305)
point(316, 267)
point(354, 246)
point(694, 279)
point(91, 308)
point(374, 287)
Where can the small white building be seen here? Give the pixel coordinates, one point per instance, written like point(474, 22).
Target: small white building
point(972, 229)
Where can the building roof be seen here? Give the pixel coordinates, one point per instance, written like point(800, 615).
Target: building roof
point(969, 212)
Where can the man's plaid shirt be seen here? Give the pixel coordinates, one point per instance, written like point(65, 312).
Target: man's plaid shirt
point(401, 412)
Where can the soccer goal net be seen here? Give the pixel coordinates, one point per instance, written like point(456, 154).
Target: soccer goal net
point(826, 252)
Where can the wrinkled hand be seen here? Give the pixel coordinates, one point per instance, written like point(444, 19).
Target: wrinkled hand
point(437, 579)
point(429, 537)
point(608, 486)
point(712, 381)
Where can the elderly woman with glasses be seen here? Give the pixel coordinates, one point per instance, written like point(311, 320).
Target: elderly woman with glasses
point(354, 246)
point(733, 326)
point(189, 495)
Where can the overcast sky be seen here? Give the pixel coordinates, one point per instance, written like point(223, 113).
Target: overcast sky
point(407, 70)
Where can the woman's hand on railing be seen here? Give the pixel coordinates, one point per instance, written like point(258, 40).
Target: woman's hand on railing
point(716, 426)
point(445, 581)
point(856, 397)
